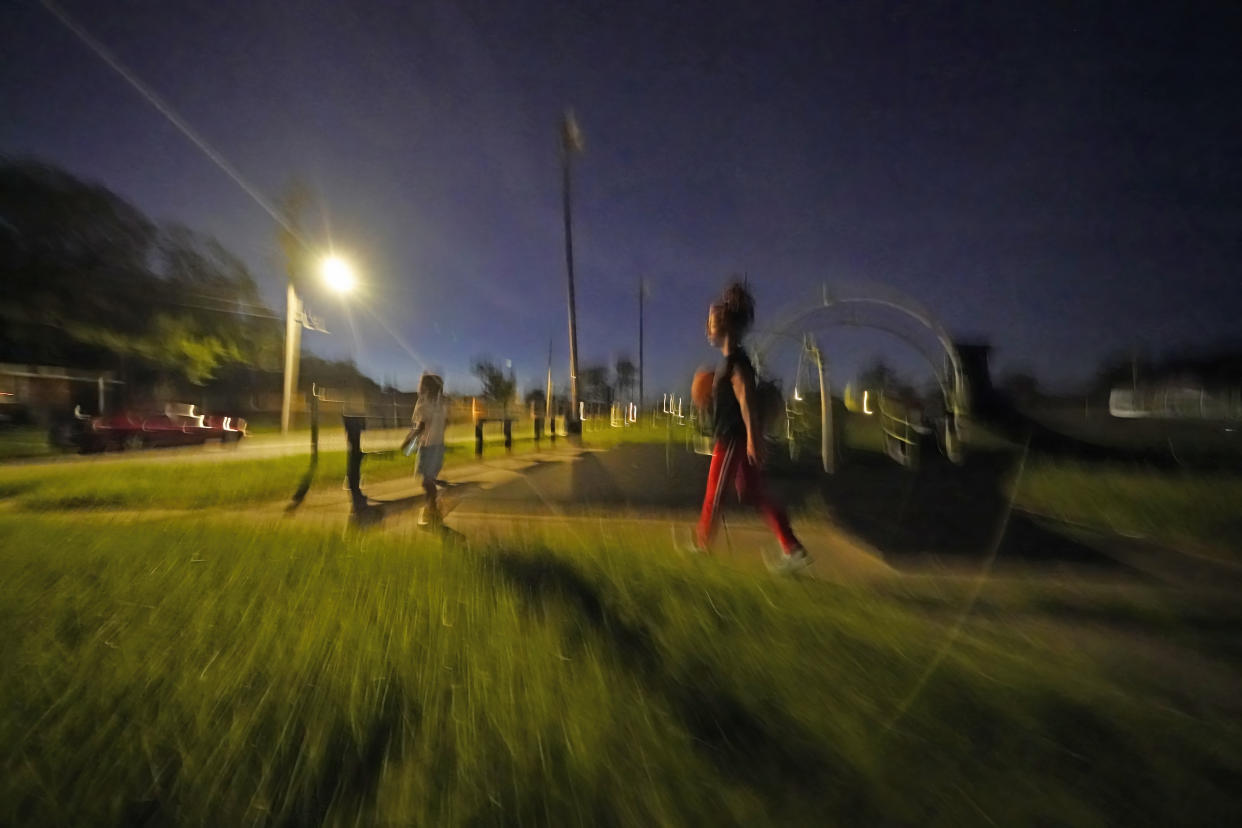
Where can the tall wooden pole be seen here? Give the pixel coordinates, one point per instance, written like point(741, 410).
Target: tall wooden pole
point(640, 344)
point(570, 143)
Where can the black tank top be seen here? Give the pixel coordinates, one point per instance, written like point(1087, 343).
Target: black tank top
point(729, 422)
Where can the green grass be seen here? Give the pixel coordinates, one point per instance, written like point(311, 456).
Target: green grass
point(1192, 510)
point(151, 482)
point(193, 672)
point(24, 441)
point(1196, 511)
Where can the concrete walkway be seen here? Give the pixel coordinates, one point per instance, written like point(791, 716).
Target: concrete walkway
point(654, 492)
point(573, 492)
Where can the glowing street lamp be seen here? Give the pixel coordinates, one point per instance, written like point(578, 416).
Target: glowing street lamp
point(339, 276)
point(338, 273)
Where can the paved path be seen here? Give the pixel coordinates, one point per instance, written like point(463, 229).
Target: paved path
point(656, 491)
point(567, 491)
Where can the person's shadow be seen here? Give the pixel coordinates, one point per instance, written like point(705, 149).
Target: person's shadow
point(375, 512)
point(937, 513)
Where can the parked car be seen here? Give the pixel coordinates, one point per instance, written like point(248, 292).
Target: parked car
point(178, 425)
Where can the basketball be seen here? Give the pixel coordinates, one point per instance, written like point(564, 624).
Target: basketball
point(701, 389)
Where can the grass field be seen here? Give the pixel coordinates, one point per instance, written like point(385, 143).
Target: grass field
point(1191, 510)
point(1200, 512)
point(24, 441)
point(208, 670)
point(152, 482)
point(194, 672)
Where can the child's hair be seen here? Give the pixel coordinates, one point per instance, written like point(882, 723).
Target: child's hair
point(430, 385)
point(737, 308)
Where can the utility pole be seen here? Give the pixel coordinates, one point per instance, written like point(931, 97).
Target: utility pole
point(293, 348)
point(547, 394)
point(641, 294)
point(571, 143)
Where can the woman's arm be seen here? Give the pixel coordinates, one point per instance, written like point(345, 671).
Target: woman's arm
point(744, 387)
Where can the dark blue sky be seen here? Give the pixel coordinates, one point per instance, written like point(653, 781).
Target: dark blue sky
point(1064, 179)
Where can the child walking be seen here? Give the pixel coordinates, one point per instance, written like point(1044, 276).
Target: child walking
point(430, 414)
point(738, 453)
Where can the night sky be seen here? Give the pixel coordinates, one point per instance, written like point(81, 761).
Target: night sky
point(1064, 180)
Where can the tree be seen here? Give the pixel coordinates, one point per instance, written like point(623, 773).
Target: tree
point(91, 282)
point(626, 375)
point(878, 376)
point(537, 398)
point(594, 383)
point(73, 259)
point(294, 202)
point(497, 386)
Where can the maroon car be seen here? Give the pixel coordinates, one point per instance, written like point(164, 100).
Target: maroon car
point(178, 425)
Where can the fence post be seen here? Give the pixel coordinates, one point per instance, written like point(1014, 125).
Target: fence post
point(478, 437)
point(354, 426)
point(508, 428)
point(314, 418)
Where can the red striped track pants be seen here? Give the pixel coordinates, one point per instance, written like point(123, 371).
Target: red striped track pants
point(729, 461)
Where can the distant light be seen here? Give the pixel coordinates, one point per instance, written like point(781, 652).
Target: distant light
point(338, 274)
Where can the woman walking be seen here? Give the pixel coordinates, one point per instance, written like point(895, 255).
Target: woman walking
point(738, 453)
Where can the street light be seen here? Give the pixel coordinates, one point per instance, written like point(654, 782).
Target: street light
point(339, 275)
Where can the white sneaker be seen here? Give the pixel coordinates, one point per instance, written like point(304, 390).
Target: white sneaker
point(687, 543)
point(423, 519)
point(790, 562)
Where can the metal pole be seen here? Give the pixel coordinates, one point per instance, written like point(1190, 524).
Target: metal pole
point(293, 346)
point(569, 269)
point(568, 147)
point(547, 397)
point(640, 344)
point(827, 447)
point(314, 424)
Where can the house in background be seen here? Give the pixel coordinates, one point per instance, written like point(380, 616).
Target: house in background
point(41, 394)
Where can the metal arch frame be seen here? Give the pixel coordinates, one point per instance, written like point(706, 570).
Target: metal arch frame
point(827, 444)
point(956, 400)
point(902, 305)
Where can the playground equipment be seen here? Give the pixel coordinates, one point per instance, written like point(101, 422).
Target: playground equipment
point(885, 309)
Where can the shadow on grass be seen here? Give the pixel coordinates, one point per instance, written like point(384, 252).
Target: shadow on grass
point(762, 749)
point(13, 488)
point(350, 769)
point(943, 512)
point(344, 777)
point(110, 500)
point(373, 512)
